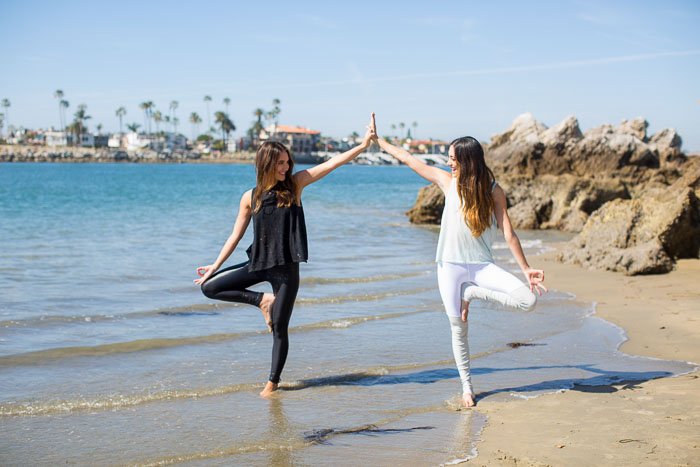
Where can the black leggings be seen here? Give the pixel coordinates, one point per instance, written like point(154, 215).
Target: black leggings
point(230, 285)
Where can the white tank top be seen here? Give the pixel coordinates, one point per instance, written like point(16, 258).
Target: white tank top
point(456, 243)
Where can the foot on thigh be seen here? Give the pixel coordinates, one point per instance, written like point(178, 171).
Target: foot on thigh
point(266, 307)
point(270, 388)
point(465, 311)
point(468, 400)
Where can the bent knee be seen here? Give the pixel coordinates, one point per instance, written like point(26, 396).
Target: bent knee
point(528, 302)
point(208, 290)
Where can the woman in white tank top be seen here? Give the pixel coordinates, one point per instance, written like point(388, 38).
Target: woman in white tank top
point(475, 205)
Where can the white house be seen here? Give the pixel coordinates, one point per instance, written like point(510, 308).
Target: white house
point(137, 141)
point(58, 138)
point(232, 145)
point(116, 140)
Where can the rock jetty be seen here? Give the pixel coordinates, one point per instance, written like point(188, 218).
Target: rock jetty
point(631, 197)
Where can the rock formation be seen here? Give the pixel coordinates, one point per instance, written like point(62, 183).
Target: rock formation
point(632, 197)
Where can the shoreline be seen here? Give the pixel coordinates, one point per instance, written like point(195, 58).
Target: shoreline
point(625, 423)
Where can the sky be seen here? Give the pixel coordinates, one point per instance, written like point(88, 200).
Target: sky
point(455, 68)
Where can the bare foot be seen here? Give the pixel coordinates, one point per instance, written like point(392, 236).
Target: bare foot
point(270, 387)
point(265, 307)
point(468, 400)
point(465, 311)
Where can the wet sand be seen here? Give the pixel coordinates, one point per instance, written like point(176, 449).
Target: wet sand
point(654, 422)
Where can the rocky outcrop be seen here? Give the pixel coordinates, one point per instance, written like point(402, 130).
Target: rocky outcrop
point(530, 148)
point(633, 197)
point(561, 202)
point(428, 207)
point(640, 236)
point(43, 154)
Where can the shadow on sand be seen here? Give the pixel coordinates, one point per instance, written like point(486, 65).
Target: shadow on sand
point(603, 381)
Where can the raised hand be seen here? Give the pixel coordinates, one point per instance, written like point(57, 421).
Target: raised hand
point(373, 124)
point(371, 133)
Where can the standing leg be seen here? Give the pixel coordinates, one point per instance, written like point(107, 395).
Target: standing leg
point(285, 284)
point(460, 348)
point(451, 276)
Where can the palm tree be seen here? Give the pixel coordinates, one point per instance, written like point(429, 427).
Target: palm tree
point(173, 107)
point(207, 100)
point(276, 108)
point(147, 108)
point(414, 125)
point(99, 132)
point(144, 106)
point(225, 124)
point(79, 121)
point(58, 94)
point(157, 117)
point(275, 112)
point(176, 121)
point(257, 126)
point(227, 101)
point(63, 105)
point(134, 127)
point(6, 105)
point(402, 125)
point(393, 127)
point(195, 120)
point(121, 111)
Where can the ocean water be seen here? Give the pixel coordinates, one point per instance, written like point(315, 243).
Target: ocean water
point(110, 355)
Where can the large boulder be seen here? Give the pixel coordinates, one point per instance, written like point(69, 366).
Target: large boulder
point(667, 143)
point(637, 128)
point(561, 202)
point(641, 236)
point(521, 139)
point(428, 207)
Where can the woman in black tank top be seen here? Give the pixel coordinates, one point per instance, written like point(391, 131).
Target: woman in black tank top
point(279, 243)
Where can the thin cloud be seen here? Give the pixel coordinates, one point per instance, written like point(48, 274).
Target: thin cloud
point(499, 70)
point(358, 78)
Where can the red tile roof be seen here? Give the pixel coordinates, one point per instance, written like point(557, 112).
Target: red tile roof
point(296, 129)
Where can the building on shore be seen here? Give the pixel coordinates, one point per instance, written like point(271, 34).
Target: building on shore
point(299, 139)
point(86, 140)
point(116, 140)
point(427, 146)
point(160, 142)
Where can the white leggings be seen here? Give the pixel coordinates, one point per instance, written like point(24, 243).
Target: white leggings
point(477, 281)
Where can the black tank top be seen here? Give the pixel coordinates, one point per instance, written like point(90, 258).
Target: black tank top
point(279, 234)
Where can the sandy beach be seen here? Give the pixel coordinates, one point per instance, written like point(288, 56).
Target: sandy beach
point(630, 423)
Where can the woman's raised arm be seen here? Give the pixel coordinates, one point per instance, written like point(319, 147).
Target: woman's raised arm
point(314, 174)
point(434, 175)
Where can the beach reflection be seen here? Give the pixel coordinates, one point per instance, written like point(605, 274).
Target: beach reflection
point(281, 434)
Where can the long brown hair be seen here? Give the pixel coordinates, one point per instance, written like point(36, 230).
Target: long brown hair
point(475, 184)
point(265, 173)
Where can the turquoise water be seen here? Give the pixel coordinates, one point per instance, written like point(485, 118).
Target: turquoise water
point(109, 354)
